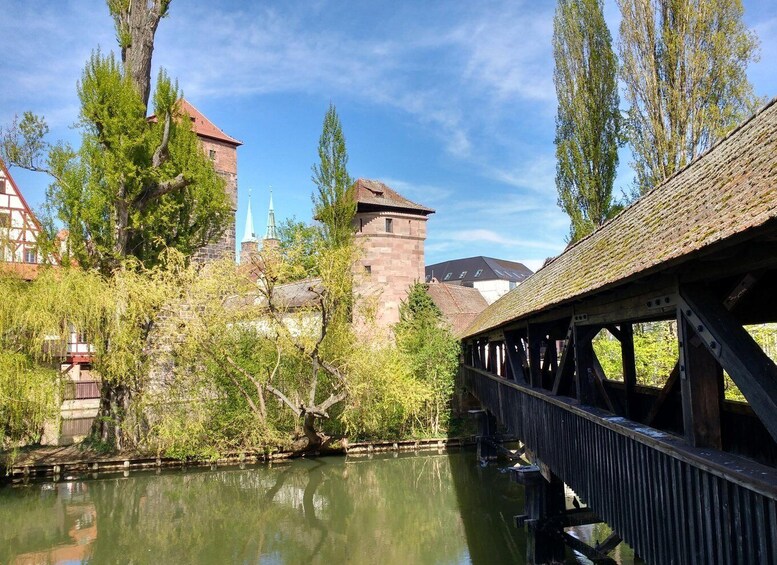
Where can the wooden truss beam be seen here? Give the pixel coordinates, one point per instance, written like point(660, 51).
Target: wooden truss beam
point(742, 358)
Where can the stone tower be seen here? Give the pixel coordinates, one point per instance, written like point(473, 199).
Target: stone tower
point(391, 230)
point(221, 149)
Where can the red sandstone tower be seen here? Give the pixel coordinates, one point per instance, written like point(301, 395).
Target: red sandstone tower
point(391, 231)
point(222, 151)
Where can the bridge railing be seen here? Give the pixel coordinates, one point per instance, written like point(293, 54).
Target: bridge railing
point(674, 503)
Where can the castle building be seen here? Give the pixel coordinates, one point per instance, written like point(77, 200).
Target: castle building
point(222, 151)
point(391, 231)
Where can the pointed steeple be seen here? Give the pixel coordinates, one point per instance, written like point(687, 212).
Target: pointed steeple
point(249, 235)
point(272, 233)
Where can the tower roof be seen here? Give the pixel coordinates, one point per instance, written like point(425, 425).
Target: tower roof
point(249, 234)
point(202, 126)
point(272, 232)
point(374, 195)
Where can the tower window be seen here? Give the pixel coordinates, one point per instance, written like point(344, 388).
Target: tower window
point(389, 225)
point(361, 225)
point(212, 154)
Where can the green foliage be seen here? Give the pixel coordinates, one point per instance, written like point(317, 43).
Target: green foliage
point(655, 352)
point(28, 394)
point(587, 122)
point(432, 354)
point(334, 205)
point(299, 244)
point(135, 187)
point(684, 67)
point(23, 141)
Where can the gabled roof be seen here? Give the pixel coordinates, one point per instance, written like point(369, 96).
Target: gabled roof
point(203, 126)
point(459, 304)
point(475, 269)
point(729, 190)
point(374, 195)
point(18, 193)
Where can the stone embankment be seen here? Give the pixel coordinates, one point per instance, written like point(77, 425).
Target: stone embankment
point(72, 463)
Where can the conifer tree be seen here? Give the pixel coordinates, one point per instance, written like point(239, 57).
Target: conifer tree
point(684, 66)
point(587, 122)
point(334, 205)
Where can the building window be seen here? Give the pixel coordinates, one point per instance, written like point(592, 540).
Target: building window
point(212, 154)
point(463, 274)
point(30, 256)
point(512, 285)
point(448, 276)
point(368, 269)
point(389, 225)
point(2, 186)
point(361, 225)
point(5, 220)
point(478, 273)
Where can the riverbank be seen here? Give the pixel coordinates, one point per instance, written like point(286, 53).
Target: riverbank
point(75, 461)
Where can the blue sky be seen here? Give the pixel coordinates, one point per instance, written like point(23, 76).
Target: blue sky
point(451, 103)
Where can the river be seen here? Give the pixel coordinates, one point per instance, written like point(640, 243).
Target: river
point(405, 509)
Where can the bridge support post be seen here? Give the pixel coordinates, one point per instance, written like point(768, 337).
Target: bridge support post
point(486, 432)
point(544, 507)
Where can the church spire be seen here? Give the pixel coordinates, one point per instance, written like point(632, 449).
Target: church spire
point(250, 234)
point(272, 233)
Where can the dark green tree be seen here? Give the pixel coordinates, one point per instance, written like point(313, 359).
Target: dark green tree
point(334, 204)
point(587, 122)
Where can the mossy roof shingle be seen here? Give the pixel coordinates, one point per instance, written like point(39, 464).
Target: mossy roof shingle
point(729, 190)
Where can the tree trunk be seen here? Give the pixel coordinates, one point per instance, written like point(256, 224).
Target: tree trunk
point(309, 427)
point(136, 24)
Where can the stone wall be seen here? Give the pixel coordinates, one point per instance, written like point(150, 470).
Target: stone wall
point(224, 157)
point(390, 262)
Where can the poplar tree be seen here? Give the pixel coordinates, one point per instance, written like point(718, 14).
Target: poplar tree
point(587, 122)
point(684, 66)
point(334, 204)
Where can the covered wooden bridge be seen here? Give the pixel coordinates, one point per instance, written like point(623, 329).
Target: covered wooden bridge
point(680, 473)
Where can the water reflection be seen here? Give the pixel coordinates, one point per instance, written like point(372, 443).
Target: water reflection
point(406, 509)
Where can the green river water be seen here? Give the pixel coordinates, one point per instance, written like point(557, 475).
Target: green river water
point(414, 509)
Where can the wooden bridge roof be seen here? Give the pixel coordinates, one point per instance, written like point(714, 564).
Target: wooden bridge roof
point(729, 190)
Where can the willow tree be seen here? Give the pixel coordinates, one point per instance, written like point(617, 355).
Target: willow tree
point(587, 121)
point(684, 66)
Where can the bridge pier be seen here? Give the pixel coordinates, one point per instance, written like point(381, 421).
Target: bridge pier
point(486, 432)
point(544, 508)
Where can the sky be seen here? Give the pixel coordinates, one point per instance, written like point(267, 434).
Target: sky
point(451, 103)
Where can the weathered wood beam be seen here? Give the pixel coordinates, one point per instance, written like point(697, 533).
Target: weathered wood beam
point(611, 542)
point(536, 337)
point(742, 358)
point(658, 403)
point(599, 377)
point(566, 364)
point(515, 356)
point(731, 301)
point(584, 364)
point(701, 380)
point(628, 361)
point(591, 553)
